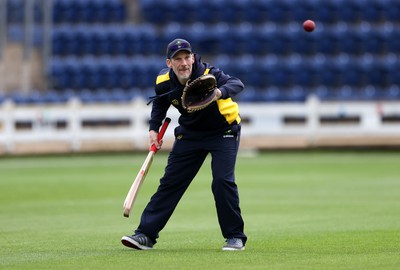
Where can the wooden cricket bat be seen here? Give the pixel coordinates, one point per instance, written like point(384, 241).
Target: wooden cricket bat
point(134, 190)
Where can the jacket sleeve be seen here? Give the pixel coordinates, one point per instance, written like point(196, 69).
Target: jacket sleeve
point(158, 113)
point(229, 86)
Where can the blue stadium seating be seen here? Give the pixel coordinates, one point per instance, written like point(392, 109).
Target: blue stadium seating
point(296, 93)
point(272, 94)
point(15, 11)
point(104, 72)
point(391, 93)
point(154, 11)
point(352, 53)
point(89, 11)
point(391, 10)
point(251, 94)
point(97, 39)
point(369, 92)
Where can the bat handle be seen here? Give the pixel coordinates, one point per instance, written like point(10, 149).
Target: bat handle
point(161, 133)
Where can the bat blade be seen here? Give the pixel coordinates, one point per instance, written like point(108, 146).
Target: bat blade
point(134, 190)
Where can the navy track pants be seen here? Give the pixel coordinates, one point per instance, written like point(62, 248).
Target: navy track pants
point(184, 161)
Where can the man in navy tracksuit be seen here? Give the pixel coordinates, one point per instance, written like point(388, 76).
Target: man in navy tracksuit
point(215, 130)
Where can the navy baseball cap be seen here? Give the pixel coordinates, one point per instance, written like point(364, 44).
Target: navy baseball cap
point(176, 46)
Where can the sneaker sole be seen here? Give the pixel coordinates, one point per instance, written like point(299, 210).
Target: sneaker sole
point(232, 249)
point(129, 242)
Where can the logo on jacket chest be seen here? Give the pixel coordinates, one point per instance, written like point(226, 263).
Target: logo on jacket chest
point(175, 102)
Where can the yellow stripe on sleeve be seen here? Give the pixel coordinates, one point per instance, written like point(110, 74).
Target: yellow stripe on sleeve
point(229, 109)
point(162, 78)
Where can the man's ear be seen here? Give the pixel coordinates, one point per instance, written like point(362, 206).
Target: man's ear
point(168, 61)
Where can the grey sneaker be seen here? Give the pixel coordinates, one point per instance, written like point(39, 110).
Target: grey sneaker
point(137, 241)
point(233, 244)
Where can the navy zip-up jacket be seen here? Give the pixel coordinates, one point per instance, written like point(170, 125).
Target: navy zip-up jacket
point(218, 116)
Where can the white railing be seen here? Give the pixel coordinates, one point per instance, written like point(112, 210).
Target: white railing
point(78, 127)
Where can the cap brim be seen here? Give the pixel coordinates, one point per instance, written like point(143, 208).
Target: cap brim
point(179, 50)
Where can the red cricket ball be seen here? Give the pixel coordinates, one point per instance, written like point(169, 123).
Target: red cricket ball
point(309, 25)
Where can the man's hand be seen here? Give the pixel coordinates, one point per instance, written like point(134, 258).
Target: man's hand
point(219, 93)
point(153, 139)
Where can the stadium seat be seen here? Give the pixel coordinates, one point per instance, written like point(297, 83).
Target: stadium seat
point(353, 76)
point(146, 45)
point(74, 72)
point(304, 75)
point(246, 69)
point(371, 11)
point(217, 39)
point(75, 41)
point(370, 92)
point(224, 62)
point(138, 93)
point(85, 11)
point(153, 11)
point(280, 76)
point(93, 11)
point(200, 38)
point(119, 95)
point(241, 38)
point(323, 93)
point(394, 40)
point(250, 94)
point(117, 12)
point(230, 46)
point(391, 10)
point(125, 72)
point(178, 11)
point(274, 40)
point(391, 93)
point(324, 42)
point(271, 94)
point(301, 12)
point(325, 12)
point(52, 97)
point(352, 44)
point(130, 39)
point(329, 76)
point(58, 41)
point(64, 11)
point(170, 32)
point(264, 36)
point(267, 65)
point(232, 11)
point(87, 96)
point(15, 11)
point(345, 92)
point(253, 14)
point(57, 72)
point(295, 93)
point(275, 11)
point(347, 11)
point(209, 11)
point(19, 98)
point(100, 10)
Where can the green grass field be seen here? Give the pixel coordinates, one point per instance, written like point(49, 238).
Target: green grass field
point(302, 210)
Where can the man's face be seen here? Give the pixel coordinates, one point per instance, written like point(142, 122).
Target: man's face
point(181, 64)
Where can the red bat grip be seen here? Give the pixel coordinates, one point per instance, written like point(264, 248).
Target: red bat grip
point(161, 133)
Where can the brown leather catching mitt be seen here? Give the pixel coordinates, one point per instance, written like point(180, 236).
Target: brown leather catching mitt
point(199, 93)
